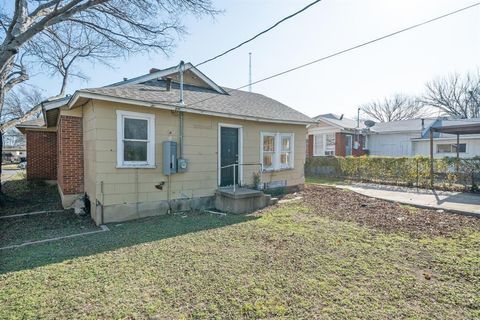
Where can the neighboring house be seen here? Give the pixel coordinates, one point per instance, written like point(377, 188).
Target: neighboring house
point(404, 138)
point(13, 154)
point(134, 150)
point(334, 135)
point(445, 145)
point(395, 138)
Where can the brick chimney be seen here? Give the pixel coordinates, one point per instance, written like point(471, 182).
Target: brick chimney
point(168, 83)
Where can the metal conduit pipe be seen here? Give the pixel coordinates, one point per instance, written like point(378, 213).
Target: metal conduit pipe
point(182, 104)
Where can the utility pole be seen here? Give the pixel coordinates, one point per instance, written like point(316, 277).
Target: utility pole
point(358, 118)
point(250, 72)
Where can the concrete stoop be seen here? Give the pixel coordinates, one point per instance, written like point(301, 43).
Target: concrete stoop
point(242, 200)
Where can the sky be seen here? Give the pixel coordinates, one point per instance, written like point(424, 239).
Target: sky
point(401, 64)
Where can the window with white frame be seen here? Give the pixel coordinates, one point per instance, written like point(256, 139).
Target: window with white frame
point(268, 154)
point(451, 148)
point(318, 144)
point(135, 139)
point(324, 144)
point(277, 151)
point(365, 142)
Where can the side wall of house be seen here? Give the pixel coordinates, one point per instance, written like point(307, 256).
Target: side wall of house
point(132, 193)
point(392, 145)
point(70, 156)
point(89, 156)
point(42, 155)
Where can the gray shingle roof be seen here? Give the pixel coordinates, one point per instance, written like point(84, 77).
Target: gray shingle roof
point(345, 123)
point(236, 102)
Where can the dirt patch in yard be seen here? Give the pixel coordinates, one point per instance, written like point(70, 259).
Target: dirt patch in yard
point(387, 216)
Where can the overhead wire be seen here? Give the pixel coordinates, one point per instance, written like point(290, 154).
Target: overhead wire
point(337, 53)
point(260, 33)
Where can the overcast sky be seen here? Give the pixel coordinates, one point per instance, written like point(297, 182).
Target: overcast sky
point(399, 64)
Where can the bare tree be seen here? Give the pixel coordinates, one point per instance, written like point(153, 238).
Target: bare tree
point(455, 95)
point(19, 103)
point(60, 48)
point(397, 107)
point(22, 103)
point(126, 25)
point(129, 25)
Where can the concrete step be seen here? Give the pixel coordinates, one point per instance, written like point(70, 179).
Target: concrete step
point(240, 200)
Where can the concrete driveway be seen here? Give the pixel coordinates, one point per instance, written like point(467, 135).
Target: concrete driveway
point(460, 202)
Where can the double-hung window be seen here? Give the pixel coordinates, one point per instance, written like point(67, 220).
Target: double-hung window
point(268, 154)
point(277, 151)
point(135, 140)
point(286, 151)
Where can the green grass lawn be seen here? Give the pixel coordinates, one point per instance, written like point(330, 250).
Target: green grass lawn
point(284, 262)
point(23, 196)
point(43, 226)
point(324, 180)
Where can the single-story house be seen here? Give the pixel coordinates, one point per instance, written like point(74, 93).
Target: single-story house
point(334, 135)
point(445, 144)
point(403, 138)
point(161, 142)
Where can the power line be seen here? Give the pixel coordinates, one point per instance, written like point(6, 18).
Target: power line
point(347, 50)
point(259, 34)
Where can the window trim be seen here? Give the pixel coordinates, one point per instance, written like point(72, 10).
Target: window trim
point(277, 166)
point(121, 116)
point(315, 137)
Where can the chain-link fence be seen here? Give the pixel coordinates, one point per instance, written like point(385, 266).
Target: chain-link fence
point(448, 173)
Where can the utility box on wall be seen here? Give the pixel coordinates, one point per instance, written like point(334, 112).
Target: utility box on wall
point(169, 157)
point(182, 165)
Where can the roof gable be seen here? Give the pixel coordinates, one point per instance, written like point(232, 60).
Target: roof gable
point(190, 73)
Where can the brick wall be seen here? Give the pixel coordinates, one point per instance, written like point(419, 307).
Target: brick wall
point(70, 155)
point(339, 144)
point(310, 145)
point(41, 155)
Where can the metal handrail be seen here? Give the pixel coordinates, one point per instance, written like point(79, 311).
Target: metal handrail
point(235, 165)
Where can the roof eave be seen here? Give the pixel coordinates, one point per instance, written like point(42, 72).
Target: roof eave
point(88, 95)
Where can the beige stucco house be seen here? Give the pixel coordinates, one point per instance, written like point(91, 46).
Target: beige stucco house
point(162, 142)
